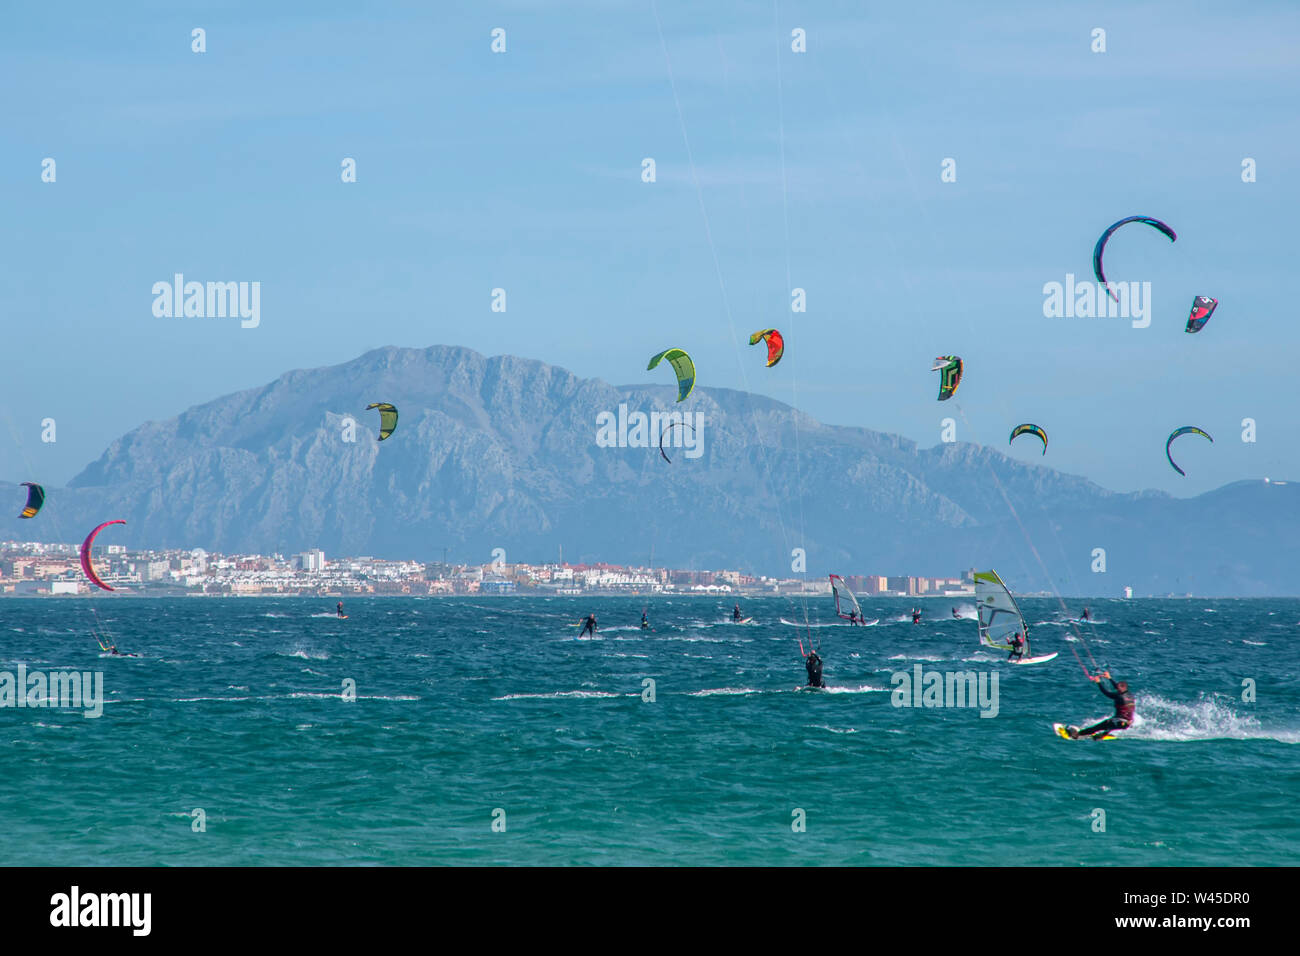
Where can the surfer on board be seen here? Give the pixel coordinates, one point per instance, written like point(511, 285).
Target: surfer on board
point(735, 613)
point(339, 610)
point(645, 622)
point(588, 625)
point(916, 615)
point(1124, 709)
point(1086, 615)
point(813, 664)
point(1017, 647)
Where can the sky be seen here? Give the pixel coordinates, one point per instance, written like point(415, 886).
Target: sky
point(522, 170)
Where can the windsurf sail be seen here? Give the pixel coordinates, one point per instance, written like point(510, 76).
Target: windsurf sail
point(999, 615)
point(845, 602)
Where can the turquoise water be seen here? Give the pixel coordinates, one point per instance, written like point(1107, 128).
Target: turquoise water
point(469, 705)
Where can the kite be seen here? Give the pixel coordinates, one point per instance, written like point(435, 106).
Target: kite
point(663, 433)
point(1185, 430)
point(85, 554)
point(1105, 237)
point(950, 368)
point(35, 498)
point(387, 418)
point(1202, 308)
point(775, 344)
point(682, 365)
point(1028, 429)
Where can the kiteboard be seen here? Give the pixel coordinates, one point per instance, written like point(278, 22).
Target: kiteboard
point(744, 620)
point(343, 617)
point(1064, 734)
point(1042, 659)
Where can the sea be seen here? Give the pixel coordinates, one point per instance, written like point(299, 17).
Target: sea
point(485, 731)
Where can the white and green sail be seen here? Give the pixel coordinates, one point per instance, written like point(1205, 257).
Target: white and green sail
point(1000, 616)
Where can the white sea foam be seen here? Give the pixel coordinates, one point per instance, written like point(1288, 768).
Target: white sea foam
point(556, 695)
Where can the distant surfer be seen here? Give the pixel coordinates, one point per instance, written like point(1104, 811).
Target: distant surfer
point(813, 663)
point(588, 625)
point(340, 610)
point(1017, 647)
point(1124, 709)
point(735, 614)
point(916, 615)
point(955, 614)
point(645, 622)
point(1086, 615)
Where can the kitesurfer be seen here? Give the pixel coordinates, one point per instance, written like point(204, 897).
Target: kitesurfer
point(916, 615)
point(735, 613)
point(1086, 615)
point(813, 663)
point(645, 623)
point(1124, 709)
point(955, 614)
point(588, 625)
point(340, 609)
point(1017, 647)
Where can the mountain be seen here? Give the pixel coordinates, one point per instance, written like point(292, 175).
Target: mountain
point(502, 452)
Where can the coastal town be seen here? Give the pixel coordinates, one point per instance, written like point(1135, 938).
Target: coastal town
point(41, 569)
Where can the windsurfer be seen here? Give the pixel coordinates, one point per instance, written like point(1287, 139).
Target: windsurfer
point(1017, 647)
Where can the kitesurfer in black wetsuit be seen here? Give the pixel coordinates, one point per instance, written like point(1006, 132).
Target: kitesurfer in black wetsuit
point(1124, 709)
point(735, 613)
point(955, 614)
point(645, 623)
point(1086, 615)
point(1017, 647)
point(814, 667)
point(916, 616)
point(588, 625)
point(340, 609)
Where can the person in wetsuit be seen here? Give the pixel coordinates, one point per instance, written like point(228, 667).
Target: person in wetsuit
point(1017, 647)
point(645, 622)
point(340, 609)
point(813, 664)
point(1086, 615)
point(1124, 708)
point(588, 625)
point(735, 613)
point(955, 614)
point(916, 616)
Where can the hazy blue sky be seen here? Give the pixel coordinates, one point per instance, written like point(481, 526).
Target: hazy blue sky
point(521, 170)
